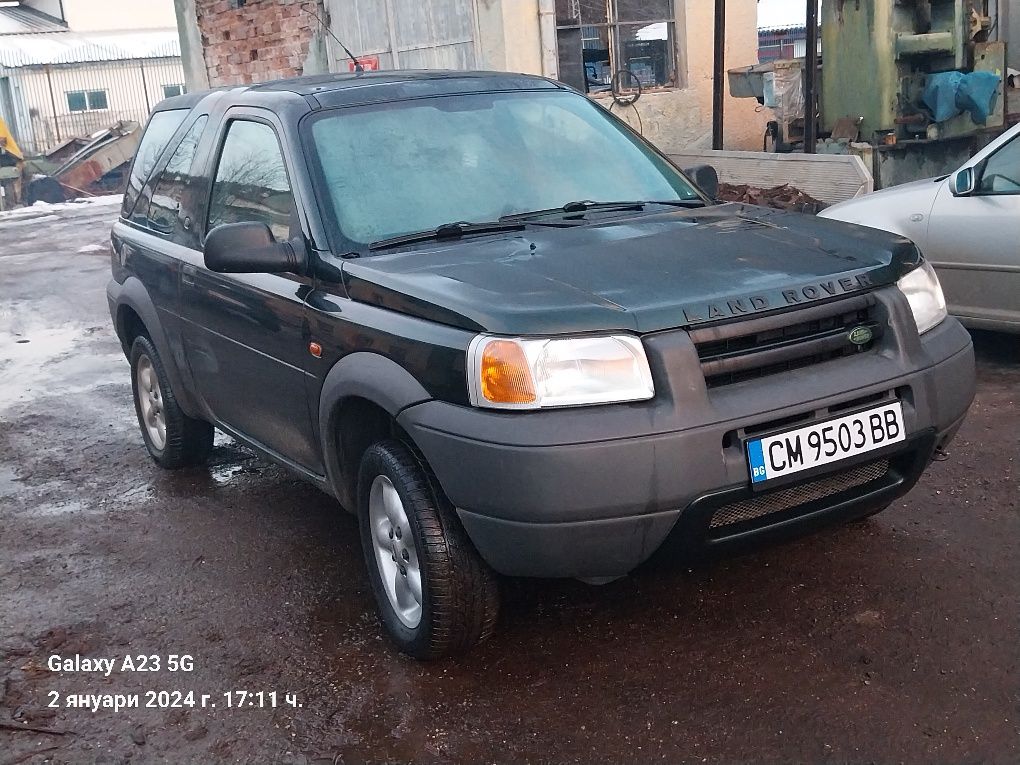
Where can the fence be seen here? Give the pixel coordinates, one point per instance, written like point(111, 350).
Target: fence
point(785, 43)
point(46, 104)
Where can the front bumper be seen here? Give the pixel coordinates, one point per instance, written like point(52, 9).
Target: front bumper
point(593, 492)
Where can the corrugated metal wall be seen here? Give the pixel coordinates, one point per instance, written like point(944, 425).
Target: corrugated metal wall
point(427, 34)
point(783, 44)
point(44, 105)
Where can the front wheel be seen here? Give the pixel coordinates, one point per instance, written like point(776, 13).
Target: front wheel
point(434, 594)
point(172, 439)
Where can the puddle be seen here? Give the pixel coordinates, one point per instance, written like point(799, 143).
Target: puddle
point(9, 485)
point(27, 221)
point(62, 507)
point(136, 493)
point(45, 344)
point(228, 473)
point(37, 362)
point(225, 474)
point(50, 499)
point(94, 249)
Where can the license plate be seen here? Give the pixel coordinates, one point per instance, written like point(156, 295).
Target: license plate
point(825, 442)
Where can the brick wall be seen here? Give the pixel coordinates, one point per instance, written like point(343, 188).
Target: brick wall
point(248, 41)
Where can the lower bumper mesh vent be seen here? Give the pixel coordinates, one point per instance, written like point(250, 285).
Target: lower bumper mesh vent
point(787, 499)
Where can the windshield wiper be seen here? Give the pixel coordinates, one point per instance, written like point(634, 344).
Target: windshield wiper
point(678, 202)
point(447, 231)
point(574, 208)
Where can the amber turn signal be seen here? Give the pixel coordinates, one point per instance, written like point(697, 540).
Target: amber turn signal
point(505, 374)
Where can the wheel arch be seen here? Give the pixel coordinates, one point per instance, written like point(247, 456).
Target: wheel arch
point(135, 314)
point(129, 325)
point(360, 399)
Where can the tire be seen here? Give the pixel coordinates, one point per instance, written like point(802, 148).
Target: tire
point(455, 602)
point(172, 439)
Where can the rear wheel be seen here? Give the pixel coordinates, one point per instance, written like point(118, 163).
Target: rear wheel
point(434, 594)
point(172, 439)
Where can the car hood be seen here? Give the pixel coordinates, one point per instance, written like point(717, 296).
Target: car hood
point(895, 201)
point(634, 273)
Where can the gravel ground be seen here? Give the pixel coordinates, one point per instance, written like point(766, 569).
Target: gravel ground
point(891, 640)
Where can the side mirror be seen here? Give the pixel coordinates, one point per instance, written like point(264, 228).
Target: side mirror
point(706, 179)
point(250, 248)
point(964, 183)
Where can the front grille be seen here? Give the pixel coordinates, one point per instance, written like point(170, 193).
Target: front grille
point(747, 350)
point(788, 499)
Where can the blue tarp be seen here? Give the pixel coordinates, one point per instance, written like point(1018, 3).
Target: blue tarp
point(948, 94)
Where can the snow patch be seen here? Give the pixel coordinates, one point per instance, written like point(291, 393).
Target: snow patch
point(40, 210)
point(24, 220)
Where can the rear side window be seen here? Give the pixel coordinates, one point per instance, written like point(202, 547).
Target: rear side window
point(158, 133)
point(251, 180)
point(166, 198)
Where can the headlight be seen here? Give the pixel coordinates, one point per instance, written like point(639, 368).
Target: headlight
point(519, 373)
point(924, 293)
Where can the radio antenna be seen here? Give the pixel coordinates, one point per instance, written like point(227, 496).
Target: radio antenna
point(357, 63)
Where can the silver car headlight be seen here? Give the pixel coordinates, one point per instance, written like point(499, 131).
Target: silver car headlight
point(924, 293)
point(537, 373)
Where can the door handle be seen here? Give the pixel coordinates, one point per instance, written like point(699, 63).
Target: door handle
point(188, 275)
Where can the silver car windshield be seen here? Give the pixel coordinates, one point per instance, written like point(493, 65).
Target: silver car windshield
point(414, 165)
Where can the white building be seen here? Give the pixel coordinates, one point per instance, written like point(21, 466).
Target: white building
point(71, 67)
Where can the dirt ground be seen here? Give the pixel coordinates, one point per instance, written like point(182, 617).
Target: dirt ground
point(892, 640)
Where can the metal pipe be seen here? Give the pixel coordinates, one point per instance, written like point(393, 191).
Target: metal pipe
point(547, 37)
point(391, 17)
point(718, 74)
point(145, 86)
point(53, 102)
point(811, 79)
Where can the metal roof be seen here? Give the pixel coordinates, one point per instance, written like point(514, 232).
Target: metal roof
point(20, 20)
point(55, 48)
point(777, 30)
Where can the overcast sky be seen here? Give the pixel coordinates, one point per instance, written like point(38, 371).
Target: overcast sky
point(781, 13)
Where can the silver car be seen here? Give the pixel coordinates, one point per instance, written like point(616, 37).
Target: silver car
point(967, 225)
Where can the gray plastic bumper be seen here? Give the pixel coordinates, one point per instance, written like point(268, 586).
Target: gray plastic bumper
point(593, 492)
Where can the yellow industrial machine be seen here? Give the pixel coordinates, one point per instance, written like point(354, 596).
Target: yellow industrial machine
point(913, 87)
point(12, 163)
point(886, 61)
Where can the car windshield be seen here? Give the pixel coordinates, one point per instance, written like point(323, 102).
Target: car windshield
point(414, 165)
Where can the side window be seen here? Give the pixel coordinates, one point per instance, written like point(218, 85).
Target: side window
point(597, 39)
point(251, 180)
point(166, 198)
point(159, 131)
point(1002, 171)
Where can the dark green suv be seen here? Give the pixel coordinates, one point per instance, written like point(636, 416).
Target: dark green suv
point(512, 337)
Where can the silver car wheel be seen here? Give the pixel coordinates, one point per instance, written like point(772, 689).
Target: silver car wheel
point(395, 551)
point(150, 402)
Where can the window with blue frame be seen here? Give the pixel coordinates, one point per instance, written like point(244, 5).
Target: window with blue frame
point(87, 100)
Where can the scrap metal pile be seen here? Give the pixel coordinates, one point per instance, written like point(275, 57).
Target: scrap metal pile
point(785, 197)
point(80, 166)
